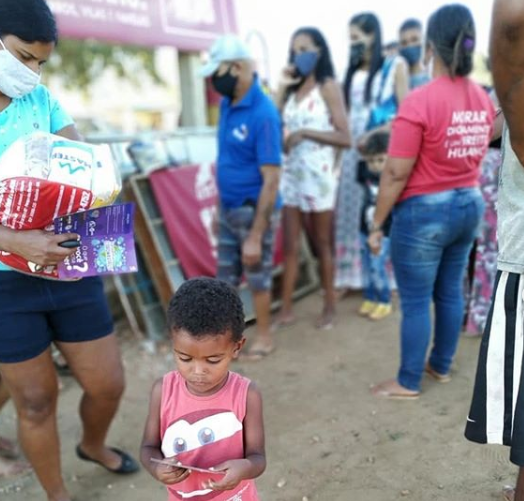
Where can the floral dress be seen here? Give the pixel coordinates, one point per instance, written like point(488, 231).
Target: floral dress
point(485, 267)
point(348, 274)
point(308, 180)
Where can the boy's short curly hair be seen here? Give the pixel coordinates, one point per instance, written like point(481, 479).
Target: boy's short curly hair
point(206, 306)
point(377, 144)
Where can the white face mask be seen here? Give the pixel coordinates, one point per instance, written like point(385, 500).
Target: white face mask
point(16, 79)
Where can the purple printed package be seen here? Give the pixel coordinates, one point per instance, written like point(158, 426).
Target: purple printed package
point(107, 242)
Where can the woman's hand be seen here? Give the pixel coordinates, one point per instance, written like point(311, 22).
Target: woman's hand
point(41, 247)
point(236, 471)
point(288, 77)
point(169, 475)
point(363, 142)
point(375, 241)
point(292, 140)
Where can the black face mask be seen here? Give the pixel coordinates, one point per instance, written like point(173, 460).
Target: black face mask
point(357, 51)
point(225, 84)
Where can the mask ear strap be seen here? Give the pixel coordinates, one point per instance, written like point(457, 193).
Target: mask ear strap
point(2, 42)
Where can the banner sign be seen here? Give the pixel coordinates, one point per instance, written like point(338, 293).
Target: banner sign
point(188, 25)
point(187, 198)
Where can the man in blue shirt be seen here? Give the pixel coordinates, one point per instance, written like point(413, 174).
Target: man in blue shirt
point(248, 173)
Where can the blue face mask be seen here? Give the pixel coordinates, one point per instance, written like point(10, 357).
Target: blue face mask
point(305, 62)
point(412, 54)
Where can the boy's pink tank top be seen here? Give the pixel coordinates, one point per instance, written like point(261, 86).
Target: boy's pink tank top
point(204, 432)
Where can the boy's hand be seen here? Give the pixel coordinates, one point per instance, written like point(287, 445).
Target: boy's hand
point(375, 241)
point(169, 475)
point(236, 471)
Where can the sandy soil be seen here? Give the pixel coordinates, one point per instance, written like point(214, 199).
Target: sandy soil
point(327, 438)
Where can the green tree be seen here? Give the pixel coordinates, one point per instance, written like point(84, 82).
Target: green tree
point(80, 62)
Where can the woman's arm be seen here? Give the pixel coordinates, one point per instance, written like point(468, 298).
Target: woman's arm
point(392, 183)
point(340, 136)
point(150, 447)
point(401, 80)
point(70, 132)
point(507, 56)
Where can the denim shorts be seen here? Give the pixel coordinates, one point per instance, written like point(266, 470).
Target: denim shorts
point(35, 312)
point(234, 227)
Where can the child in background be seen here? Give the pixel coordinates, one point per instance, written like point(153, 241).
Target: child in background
point(377, 291)
point(202, 414)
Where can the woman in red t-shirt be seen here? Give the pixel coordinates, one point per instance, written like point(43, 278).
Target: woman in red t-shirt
point(430, 184)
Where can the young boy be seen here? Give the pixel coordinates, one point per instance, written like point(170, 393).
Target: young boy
point(202, 415)
point(377, 292)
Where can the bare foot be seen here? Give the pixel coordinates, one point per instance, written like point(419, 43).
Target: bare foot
point(259, 349)
point(8, 449)
point(12, 469)
point(326, 321)
point(283, 320)
point(393, 390)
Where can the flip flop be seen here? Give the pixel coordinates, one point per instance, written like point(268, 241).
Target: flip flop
point(256, 355)
point(393, 395)
point(508, 493)
point(439, 378)
point(128, 465)
point(16, 469)
point(282, 324)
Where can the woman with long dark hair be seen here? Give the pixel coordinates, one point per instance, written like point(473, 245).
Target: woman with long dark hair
point(315, 126)
point(431, 184)
point(373, 88)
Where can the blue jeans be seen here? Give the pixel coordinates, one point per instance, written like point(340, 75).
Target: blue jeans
point(431, 238)
point(374, 273)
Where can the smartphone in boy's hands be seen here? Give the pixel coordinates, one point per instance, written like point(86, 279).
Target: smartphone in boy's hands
point(178, 464)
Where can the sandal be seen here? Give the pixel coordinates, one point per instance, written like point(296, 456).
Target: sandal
point(128, 465)
point(437, 376)
point(508, 493)
point(15, 469)
point(382, 391)
point(256, 354)
point(8, 449)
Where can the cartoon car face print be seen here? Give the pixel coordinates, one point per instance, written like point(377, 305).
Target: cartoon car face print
point(200, 439)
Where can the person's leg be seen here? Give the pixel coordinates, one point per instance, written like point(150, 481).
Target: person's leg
point(368, 293)
point(380, 280)
point(259, 279)
point(449, 306)
point(322, 223)
point(33, 387)
point(4, 394)
point(97, 366)
point(291, 227)
point(449, 287)
point(420, 227)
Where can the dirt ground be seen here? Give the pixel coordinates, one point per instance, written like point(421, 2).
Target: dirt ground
point(327, 437)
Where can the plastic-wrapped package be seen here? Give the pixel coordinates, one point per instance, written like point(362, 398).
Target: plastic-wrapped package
point(43, 176)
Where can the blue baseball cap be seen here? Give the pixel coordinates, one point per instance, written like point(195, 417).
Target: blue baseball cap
point(226, 48)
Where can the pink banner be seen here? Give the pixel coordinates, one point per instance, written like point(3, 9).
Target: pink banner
point(187, 198)
point(189, 25)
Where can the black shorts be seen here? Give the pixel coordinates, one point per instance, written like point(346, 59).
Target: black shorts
point(35, 312)
point(497, 409)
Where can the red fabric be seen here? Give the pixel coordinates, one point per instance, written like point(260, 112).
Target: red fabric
point(447, 126)
point(187, 198)
point(30, 203)
point(184, 417)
